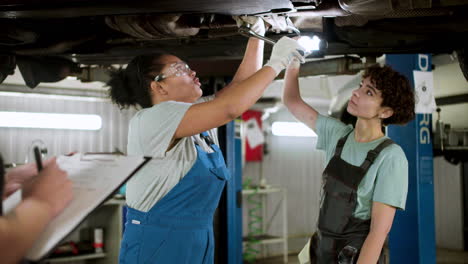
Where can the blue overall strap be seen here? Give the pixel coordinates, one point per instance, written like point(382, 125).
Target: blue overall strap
point(207, 138)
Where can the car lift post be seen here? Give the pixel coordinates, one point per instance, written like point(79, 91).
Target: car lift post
point(412, 238)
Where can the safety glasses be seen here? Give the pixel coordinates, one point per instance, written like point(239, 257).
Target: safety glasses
point(175, 69)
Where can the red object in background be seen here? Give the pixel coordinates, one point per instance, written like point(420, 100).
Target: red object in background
point(253, 154)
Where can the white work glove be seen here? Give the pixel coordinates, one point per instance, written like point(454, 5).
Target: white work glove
point(294, 64)
point(256, 23)
point(284, 51)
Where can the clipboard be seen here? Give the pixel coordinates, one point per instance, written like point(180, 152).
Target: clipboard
point(95, 177)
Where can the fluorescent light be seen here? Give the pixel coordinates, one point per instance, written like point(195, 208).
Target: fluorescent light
point(49, 120)
point(310, 44)
point(292, 129)
point(55, 97)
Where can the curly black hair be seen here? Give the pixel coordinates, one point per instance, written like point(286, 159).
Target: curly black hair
point(131, 86)
point(396, 93)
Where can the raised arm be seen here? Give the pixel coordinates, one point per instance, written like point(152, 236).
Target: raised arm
point(239, 97)
point(253, 56)
point(292, 97)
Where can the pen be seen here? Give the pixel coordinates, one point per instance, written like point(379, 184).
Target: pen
point(37, 155)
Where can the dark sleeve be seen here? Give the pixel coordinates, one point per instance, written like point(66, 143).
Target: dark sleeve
point(2, 183)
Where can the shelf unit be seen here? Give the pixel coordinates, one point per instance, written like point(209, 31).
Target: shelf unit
point(265, 238)
point(76, 258)
point(109, 217)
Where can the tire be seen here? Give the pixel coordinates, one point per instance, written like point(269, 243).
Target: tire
point(7, 66)
point(462, 55)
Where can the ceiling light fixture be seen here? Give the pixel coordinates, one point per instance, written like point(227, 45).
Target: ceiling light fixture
point(292, 129)
point(50, 120)
point(310, 44)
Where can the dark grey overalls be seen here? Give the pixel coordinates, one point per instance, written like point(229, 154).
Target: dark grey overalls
point(340, 235)
point(2, 179)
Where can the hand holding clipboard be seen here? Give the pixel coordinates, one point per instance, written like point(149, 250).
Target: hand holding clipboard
point(95, 178)
point(45, 194)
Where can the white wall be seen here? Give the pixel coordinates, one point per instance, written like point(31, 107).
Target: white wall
point(14, 142)
point(449, 80)
point(293, 163)
point(448, 204)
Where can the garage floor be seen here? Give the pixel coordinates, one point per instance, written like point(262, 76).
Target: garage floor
point(444, 256)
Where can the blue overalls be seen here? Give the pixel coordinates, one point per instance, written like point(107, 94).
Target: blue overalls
point(179, 227)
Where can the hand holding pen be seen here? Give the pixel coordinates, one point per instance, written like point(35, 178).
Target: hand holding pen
point(51, 187)
point(18, 176)
point(37, 156)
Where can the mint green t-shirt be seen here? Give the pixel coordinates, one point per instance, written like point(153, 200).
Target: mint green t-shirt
point(386, 181)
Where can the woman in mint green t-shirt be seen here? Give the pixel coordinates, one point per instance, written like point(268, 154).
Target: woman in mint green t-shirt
point(366, 178)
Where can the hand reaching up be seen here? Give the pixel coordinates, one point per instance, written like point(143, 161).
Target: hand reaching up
point(256, 23)
point(285, 51)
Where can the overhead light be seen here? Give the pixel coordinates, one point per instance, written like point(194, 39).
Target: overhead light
point(55, 96)
point(292, 129)
point(50, 120)
point(310, 44)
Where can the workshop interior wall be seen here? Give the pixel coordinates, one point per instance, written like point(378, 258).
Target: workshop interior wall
point(292, 163)
point(448, 204)
point(15, 142)
point(449, 81)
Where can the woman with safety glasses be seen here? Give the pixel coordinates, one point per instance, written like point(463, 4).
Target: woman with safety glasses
point(172, 200)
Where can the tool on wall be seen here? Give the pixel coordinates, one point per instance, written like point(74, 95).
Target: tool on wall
point(450, 142)
point(42, 149)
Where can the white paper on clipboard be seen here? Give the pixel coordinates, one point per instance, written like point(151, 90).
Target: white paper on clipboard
point(95, 177)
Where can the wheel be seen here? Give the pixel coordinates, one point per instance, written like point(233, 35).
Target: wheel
point(463, 60)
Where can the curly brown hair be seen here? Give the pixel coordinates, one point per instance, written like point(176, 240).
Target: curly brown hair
point(396, 93)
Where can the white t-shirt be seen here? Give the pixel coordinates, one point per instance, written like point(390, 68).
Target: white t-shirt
point(150, 133)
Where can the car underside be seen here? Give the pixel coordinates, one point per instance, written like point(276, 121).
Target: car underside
point(51, 39)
